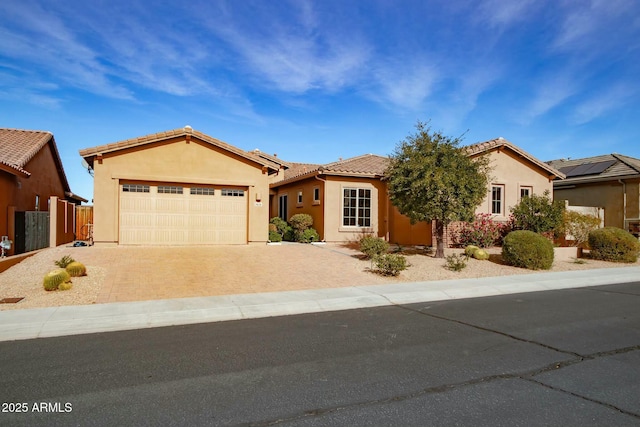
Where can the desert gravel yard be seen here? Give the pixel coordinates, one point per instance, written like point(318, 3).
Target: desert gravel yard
point(117, 274)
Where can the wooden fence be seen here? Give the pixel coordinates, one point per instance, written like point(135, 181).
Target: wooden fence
point(84, 222)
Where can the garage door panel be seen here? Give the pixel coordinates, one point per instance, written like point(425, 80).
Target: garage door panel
point(181, 219)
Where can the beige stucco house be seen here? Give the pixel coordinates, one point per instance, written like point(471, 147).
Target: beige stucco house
point(179, 187)
point(348, 198)
point(183, 187)
point(610, 181)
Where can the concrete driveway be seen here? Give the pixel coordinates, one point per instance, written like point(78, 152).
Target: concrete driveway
point(146, 273)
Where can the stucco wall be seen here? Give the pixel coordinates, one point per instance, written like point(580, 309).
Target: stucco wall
point(514, 173)
point(308, 205)
point(177, 161)
point(20, 193)
point(608, 195)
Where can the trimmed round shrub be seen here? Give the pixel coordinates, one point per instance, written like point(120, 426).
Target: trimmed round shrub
point(613, 244)
point(527, 249)
point(309, 235)
point(391, 264)
point(481, 255)
point(373, 246)
point(55, 278)
point(274, 236)
point(469, 250)
point(76, 269)
point(301, 222)
point(65, 286)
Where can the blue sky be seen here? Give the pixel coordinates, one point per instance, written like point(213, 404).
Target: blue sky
point(317, 80)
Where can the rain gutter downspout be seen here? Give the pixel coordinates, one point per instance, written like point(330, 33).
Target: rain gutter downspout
point(324, 189)
point(624, 203)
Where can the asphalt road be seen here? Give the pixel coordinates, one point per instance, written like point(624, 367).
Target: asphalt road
point(557, 358)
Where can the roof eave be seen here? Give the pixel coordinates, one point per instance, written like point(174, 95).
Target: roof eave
point(570, 181)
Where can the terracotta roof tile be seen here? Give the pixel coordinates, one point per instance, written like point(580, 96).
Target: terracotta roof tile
point(88, 153)
point(18, 146)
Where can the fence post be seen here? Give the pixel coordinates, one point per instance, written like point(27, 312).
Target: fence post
point(53, 221)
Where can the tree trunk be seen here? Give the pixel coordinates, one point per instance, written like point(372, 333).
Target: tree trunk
point(439, 239)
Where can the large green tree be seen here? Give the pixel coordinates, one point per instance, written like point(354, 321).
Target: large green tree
point(431, 178)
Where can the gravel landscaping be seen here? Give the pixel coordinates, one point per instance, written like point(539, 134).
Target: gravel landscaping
point(155, 273)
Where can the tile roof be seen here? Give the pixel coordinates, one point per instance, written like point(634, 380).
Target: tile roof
point(483, 147)
point(89, 153)
point(18, 146)
point(613, 166)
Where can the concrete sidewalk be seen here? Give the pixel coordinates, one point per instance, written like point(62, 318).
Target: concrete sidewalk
point(74, 320)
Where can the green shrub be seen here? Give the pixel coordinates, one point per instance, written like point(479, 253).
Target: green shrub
point(301, 222)
point(614, 244)
point(390, 264)
point(76, 269)
point(55, 278)
point(309, 235)
point(64, 261)
point(579, 225)
point(373, 246)
point(274, 236)
point(527, 249)
point(456, 262)
point(469, 250)
point(538, 214)
point(481, 255)
point(282, 227)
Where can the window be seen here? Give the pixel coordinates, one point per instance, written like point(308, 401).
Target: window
point(300, 197)
point(316, 195)
point(497, 199)
point(169, 189)
point(38, 202)
point(525, 192)
point(202, 191)
point(135, 188)
point(356, 207)
point(232, 193)
point(282, 206)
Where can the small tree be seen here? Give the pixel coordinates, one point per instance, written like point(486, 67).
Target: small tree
point(578, 226)
point(539, 214)
point(431, 178)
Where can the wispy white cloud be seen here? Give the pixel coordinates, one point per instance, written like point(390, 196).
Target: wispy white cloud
point(608, 100)
point(504, 12)
point(549, 93)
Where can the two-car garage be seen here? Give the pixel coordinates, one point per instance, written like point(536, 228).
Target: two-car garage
point(177, 214)
point(179, 187)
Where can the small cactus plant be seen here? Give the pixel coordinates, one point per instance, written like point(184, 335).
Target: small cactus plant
point(54, 278)
point(76, 269)
point(64, 261)
point(469, 250)
point(65, 286)
point(481, 254)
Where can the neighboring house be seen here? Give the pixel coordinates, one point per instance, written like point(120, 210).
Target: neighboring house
point(348, 198)
point(610, 181)
point(31, 173)
point(179, 187)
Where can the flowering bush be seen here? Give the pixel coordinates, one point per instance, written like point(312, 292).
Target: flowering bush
point(484, 232)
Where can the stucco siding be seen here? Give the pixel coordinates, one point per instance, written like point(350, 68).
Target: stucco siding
point(181, 162)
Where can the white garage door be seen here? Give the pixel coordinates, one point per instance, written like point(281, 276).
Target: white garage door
point(172, 214)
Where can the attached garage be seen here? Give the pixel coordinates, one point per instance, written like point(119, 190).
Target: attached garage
point(179, 187)
point(182, 214)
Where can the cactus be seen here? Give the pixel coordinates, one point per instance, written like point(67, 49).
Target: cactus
point(76, 269)
point(65, 286)
point(54, 278)
point(470, 250)
point(481, 254)
point(64, 261)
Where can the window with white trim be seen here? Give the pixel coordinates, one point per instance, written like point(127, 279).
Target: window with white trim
point(299, 201)
point(525, 192)
point(135, 188)
point(356, 207)
point(497, 199)
point(316, 194)
point(170, 189)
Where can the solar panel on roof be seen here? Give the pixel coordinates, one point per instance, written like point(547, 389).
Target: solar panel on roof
point(567, 169)
point(588, 169)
